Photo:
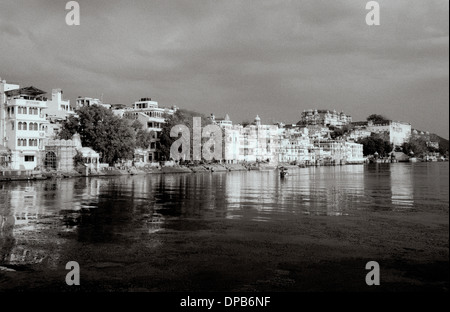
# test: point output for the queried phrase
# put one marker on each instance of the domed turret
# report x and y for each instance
(257, 120)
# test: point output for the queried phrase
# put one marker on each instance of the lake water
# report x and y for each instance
(44, 224)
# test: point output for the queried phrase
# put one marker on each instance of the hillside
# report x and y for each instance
(443, 143)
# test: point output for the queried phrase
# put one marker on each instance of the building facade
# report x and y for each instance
(398, 132)
(152, 118)
(57, 107)
(88, 101)
(25, 126)
(324, 117)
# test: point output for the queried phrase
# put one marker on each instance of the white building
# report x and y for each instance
(295, 146)
(24, 124)
(152, 118)
(222, 122)
(338, 152)
(56, 112)
(397, 131)
(324, 117)
(253, 143)
(87, 101)
(57, 107)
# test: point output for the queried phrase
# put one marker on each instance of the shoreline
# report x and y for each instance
(178, 169)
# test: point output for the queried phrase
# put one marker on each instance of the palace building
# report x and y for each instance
(324, 117)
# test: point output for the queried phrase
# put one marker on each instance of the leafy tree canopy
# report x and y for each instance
(377, 118)
(101, 130)
(375, 144)
(144, 138)
(180, 117)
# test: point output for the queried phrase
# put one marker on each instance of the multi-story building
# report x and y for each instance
(3, 88)
(398, 132)
(338, 152)
(253, 143)
(324, 117)
(25, 126)
(295, 146)
(5, 153)
(56, 112)
(222, 122)
(87, 101)
(58, 107)
(152, 118)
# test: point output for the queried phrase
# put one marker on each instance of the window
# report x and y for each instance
(50, 161)
(29, 158)
(24, 125)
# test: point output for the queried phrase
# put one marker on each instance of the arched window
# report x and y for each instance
(24, 125)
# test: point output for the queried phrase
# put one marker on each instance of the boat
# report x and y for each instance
(283, 172)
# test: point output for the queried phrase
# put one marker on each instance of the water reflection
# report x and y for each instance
(38, 219)
(402, 188)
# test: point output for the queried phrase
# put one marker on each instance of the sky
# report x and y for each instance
(274, 58)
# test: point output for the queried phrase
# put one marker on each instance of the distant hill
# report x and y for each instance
(443, 143)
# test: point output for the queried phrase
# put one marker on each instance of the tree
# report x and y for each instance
(144, 138)
(375, 144)
(377, 118)
(78, 159)
(340, 131)
(135, 124)
(101, 130)
(245, 123)
(180, 117)
(416, 144)
(69, 128)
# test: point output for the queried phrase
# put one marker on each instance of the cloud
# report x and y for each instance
(273, 58)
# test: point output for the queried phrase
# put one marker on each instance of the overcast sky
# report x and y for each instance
(274, 58)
